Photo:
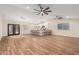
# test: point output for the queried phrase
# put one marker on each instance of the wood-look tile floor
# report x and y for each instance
(36, 45)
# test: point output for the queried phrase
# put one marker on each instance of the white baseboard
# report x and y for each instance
(67, 35)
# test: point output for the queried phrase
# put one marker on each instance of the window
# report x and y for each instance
(63, 26)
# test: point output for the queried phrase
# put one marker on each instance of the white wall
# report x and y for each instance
(0, 27)
(25, 27)
(73, 30)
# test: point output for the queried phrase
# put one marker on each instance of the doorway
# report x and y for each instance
(13, 29)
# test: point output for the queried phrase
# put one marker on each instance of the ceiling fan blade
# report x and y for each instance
(46, 9)
(41, 7)
(46, 13)
(37, 10)
(38, 14)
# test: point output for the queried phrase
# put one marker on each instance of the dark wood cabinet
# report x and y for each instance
(13, 29)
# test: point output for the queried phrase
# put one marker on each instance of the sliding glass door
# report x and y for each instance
(13, 29)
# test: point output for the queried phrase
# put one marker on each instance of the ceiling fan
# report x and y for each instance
(42, 10)
(59, 17)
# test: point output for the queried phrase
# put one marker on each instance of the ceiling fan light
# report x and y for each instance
(41, 12)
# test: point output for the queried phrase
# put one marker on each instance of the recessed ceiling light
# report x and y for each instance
(67, 16)
(27, 7)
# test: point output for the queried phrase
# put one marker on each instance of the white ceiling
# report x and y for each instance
(25, 11)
